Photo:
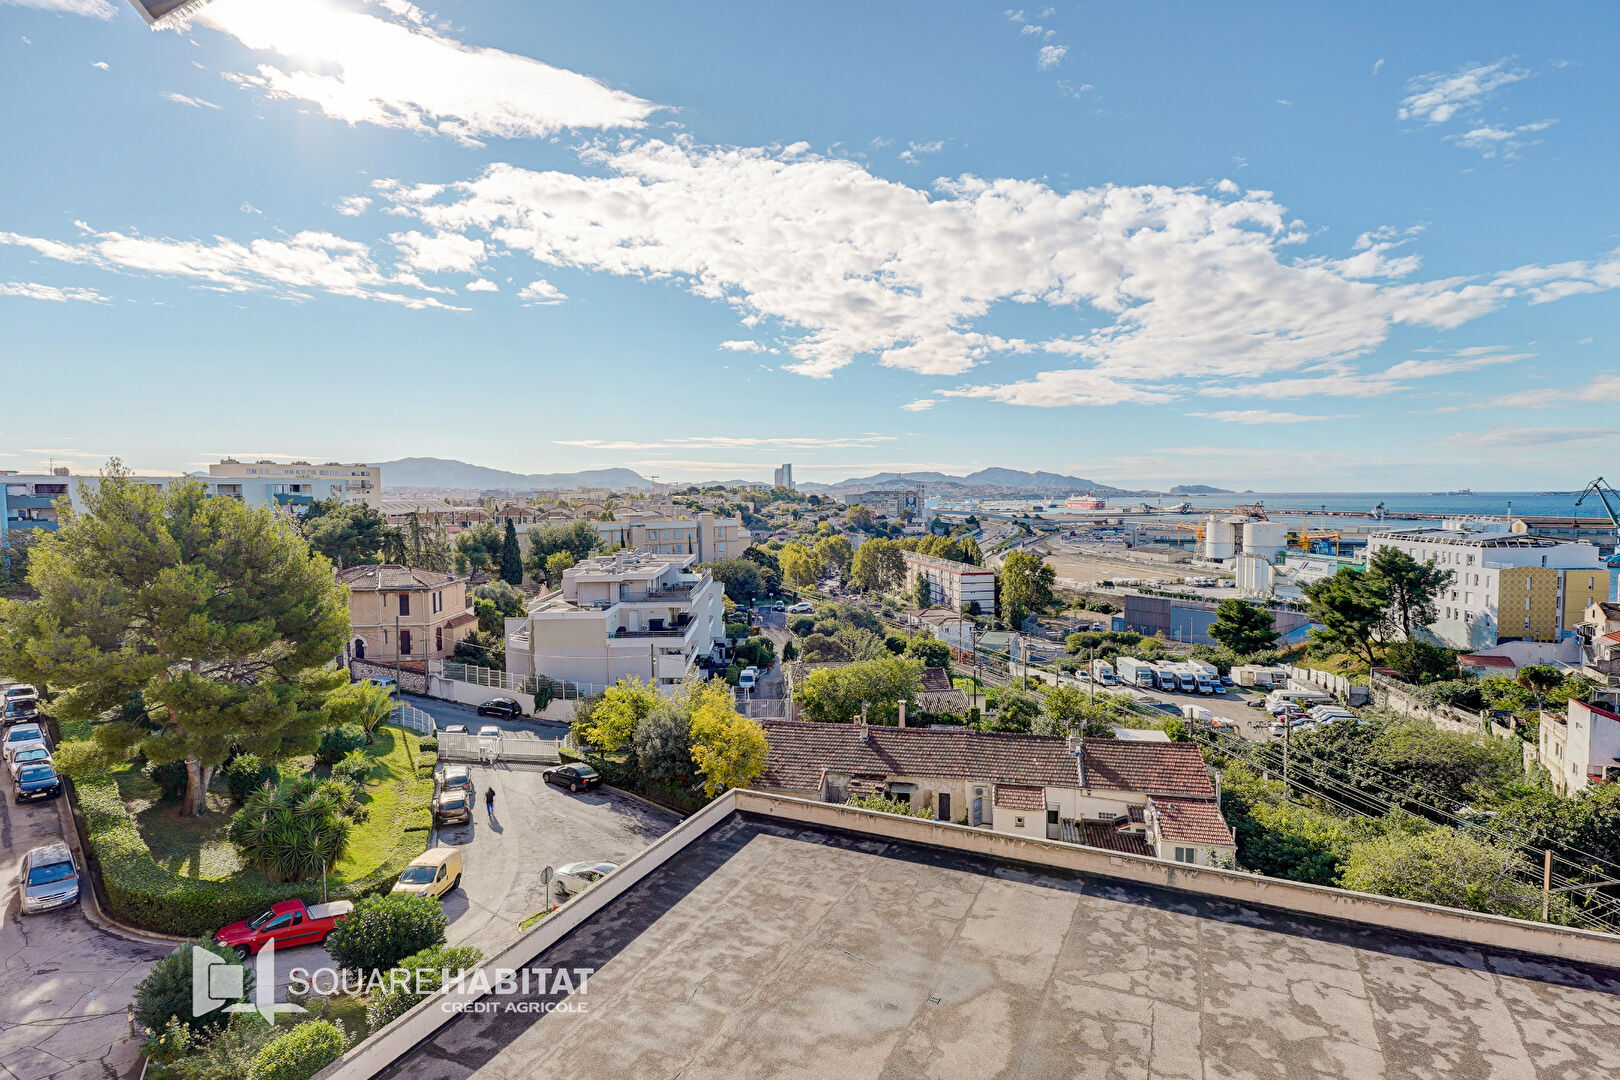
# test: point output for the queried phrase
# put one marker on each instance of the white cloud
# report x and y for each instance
(1529, 438)
(1174, 287)
(249, 208)
(293, 267)
(1600, 390)
(439, 252)
(482, 285)
(725, 442)
(542, 292)
(1050, 56)
(401, 73)
(194, 102)
(742, 346)
(1490, 141)
(34, 291)
(1439, 95)
(920, 405)
(1265, 416)
(913, 150)
(353, 206)
(1378, 65)
(94, 9)
(101, 65)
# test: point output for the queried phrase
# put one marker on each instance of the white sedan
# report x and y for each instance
(33, 755)
(575, 878)
(22, 737)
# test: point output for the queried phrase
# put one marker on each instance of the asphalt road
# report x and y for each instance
(67, 983)
(445, 713)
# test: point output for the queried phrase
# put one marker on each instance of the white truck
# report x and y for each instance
(1259, 676)
(1208, 676)
(1196, 712)
(1167, 678)
(1137, 673)
(1102, 673)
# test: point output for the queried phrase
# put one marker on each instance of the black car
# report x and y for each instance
(37, 782)
(22, 710)
(501, 706)
(574, 777)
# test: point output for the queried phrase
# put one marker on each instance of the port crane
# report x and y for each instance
(1602, 490)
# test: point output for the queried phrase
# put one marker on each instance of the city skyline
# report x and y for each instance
(1306, 252)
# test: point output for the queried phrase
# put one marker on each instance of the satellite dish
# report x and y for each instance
(166, 12)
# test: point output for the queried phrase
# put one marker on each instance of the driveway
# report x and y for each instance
(67, 983)
(535, 825)
(445, 713)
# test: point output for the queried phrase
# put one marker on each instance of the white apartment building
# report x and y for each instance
(629, 614)
(952, 584)
(706, 536)
(1581, 747)
(783, 477)
(894, 503)
(1505, 586)
(361, 483)
(28, 500)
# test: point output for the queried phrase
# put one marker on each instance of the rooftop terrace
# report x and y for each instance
(770, 945)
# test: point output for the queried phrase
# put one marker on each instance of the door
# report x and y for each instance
(944, 806)
(977, 817)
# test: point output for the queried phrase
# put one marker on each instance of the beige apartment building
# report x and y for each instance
(361, 483)
(706, 536)
(405, 614)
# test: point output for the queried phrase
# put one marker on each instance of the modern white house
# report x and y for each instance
(1140, 797)
(706, 536)
(1504, 585)
(360, 483)
(628, 614)
(1580, 747)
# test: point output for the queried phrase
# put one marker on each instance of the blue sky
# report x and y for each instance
(1263, 246)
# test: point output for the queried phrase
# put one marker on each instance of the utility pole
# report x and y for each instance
(1288, 727)
(397, 684)
(1546, 884)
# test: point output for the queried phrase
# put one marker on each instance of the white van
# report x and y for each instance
(746, 680)
(1278, 700)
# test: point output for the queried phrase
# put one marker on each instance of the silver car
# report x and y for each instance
(50, 879)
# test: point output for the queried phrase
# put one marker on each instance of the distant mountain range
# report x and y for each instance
(443, 473)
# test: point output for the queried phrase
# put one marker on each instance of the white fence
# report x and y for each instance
(414, 719)
(520, 747)
(1337, 685)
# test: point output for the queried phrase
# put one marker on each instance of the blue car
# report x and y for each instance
(37, 782)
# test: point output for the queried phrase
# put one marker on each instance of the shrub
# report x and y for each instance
(383, 930)
(428, 968)
(337, 742)
(170, 777)
(187, 1054)
(428, 742)
(294, 831)
(247, 773)
(354, 770)
(165, 993)
(801, 625)
(298, 1053)
(886, 805)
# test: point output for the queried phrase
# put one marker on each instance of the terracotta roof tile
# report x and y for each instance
(935, 678)
(801, 750)
(363, 578)
(1486, 660)
(1191, 821)
(463, 619)
(1154, 768)
(1100, 834)
(1020, 797)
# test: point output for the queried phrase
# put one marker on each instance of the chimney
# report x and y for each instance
(862, 730)
(1077, 746)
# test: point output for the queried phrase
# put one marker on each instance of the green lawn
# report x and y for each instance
(196, 847)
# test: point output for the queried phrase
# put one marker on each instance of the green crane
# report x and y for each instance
(1602, 490)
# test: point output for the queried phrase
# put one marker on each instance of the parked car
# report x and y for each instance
(49, 879)
(575, 878)
(21, 690)
(452, 806)
(38, 781)
(575, 777)
(803, 607)
(747, 677)
(454, 729)
(453, 778)
(501, 706)
(289, 923)
(24, 737)
(433, 873)
(33, 756)
(490, 731)
(778, 606)
(21, 710)
(385, 682)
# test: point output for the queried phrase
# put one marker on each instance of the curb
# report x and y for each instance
(90, 904)
(647, 802)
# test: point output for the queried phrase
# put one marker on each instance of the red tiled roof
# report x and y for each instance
(463, 619)
(1154, 768)
(801, 750)
(935, 678)
(1615, 637)
(1019, 797)
(1100, 834)
(392, 577)
(1487, 660)
(1191, 821)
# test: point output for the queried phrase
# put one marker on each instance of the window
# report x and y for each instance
(1186, 854)
(404, 603)
(438, 602)
(405, 642)
(1018, 823)
(438, 639)
(1051, 815)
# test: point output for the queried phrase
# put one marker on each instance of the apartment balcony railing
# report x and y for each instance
(30, 502)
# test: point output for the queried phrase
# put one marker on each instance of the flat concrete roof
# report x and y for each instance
(767, 948)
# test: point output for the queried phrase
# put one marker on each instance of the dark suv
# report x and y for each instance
(501, 706)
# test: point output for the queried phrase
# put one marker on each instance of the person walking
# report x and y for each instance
(489, 802)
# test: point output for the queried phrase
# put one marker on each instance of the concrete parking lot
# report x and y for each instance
(535, 825)
(67, 983)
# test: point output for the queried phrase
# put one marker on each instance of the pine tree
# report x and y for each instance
(511, 556)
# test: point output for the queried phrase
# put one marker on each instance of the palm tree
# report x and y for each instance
(294, 831)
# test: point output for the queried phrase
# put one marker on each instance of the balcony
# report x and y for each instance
(30, 502)
(31, 523)
(284, 499)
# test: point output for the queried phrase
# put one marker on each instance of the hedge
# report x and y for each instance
(298, 1053)
(144, 894)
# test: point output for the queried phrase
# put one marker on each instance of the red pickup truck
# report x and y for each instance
(288, 923)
